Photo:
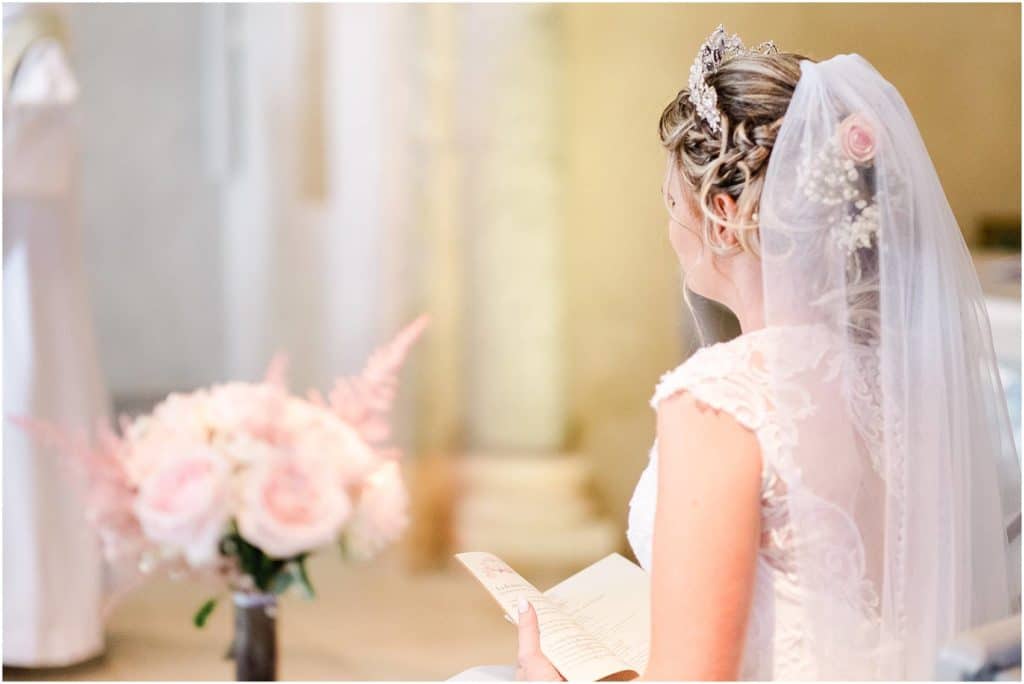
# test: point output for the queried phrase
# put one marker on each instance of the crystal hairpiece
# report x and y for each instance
(712, 53)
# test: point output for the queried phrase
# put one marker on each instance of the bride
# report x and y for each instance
(828, 493)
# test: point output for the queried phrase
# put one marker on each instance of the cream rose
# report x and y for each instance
(242, 407)
(183, 500)
(318, 431)
(184, 414)
(381, 514)
(291, 504)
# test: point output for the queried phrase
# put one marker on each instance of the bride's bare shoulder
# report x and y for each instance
(697, 426)
(707, 529)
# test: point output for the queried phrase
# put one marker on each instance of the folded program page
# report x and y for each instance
(611, 600)
(592, 625)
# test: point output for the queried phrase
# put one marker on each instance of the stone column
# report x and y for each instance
(438, 238)
(525, 498)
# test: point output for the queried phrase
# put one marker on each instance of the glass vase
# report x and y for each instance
(254, 648)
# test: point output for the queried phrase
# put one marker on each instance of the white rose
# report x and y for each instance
(242, 449)
(325, 434)
(358, 460)
(184, 414)
(238, 406)
(381, 514)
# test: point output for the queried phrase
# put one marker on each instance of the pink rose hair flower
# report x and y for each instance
(857, 138)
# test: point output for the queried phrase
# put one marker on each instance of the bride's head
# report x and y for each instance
(714, 178)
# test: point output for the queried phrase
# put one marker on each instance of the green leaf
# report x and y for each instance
(304, 582)
(282, 581)
(262, 568)
(204, 612)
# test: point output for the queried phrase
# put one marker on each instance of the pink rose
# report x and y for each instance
(382, 513)
(183, 501)
(857, 138)
(292, 503)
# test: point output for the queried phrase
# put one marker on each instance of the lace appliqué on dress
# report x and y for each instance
(734, 377)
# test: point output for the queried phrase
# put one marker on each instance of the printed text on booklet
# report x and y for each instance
(593, 625)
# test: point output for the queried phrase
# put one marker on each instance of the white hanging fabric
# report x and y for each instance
(52, 565)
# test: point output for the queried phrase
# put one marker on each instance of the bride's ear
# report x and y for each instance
(724, 207)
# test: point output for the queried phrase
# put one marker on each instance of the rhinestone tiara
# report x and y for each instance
(712, 53)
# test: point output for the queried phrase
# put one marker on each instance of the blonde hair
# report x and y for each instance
(754, 91)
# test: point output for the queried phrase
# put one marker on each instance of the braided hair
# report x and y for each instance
(754, 92)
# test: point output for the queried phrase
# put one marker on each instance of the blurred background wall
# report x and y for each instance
(307, 177)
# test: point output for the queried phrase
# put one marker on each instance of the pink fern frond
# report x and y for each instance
(384, 363)
(277, 371)
(109, 492)
(72, 444)
(365, 401)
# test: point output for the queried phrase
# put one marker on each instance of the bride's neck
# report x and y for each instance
(752, 319)
(747, 296)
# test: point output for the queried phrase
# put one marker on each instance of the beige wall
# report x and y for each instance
(957, 66)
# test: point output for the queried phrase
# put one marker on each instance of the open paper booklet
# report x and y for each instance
(594, 625)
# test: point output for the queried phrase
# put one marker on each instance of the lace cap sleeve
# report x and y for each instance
(723, 377)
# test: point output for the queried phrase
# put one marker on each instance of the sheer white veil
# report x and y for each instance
(903, 480)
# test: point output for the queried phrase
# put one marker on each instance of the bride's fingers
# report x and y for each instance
(529, 632)
(533, 665)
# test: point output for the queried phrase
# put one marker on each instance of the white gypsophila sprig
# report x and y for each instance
(832, 179)
(856, 232)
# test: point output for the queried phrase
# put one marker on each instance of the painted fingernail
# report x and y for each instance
(524, 605)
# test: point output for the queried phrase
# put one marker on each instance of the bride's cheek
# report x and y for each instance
(684, 251)
(687, 248)
(697, 280)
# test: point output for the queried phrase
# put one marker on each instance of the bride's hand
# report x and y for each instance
(531, 664)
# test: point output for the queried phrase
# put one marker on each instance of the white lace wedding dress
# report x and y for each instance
(742, 377)
(733, 377)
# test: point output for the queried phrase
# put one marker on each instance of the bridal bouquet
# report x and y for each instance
(244, 480)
